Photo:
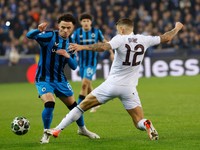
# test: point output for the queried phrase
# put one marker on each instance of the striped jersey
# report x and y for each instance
(87, 58)
(51, 65)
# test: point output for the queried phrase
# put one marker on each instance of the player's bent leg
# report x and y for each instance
(143, 124)
(89, 102)
(74, 115)
(82, 130)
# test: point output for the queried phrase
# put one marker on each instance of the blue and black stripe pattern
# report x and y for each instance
(50, 65)
(87, 58)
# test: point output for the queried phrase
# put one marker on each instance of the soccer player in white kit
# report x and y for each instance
(123, 77)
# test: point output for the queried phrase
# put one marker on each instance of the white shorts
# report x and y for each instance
(107, 91)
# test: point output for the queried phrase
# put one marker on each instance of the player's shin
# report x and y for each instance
(47, 114)
(80, 98)
(80, 121)
(72, 116)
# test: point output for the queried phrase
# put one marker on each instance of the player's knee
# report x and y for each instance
(84, 86)
(72, 106)
(50, 104)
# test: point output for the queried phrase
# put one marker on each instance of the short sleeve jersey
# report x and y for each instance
(129, 53)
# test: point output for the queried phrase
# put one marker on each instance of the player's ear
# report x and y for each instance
(81, 22)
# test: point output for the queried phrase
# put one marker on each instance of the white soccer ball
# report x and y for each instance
(20, 125)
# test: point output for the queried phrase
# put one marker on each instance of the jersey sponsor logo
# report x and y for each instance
(55, 47)
(56, 44)
(87, 40)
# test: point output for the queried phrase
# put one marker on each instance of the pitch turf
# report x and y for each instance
(172, 103)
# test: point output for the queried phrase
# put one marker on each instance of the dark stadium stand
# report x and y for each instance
(150, 18)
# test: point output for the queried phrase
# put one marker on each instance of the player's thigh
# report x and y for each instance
(130, 98)
(105, 92)
(45, 91)
(68, 101)
(136, 114)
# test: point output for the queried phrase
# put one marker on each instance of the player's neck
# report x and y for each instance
(127, 32)
(87, 29)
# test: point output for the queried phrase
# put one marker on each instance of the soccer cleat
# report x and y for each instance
(151, 131)
(94, 109)
(85, 132)
(53, 132)
(45, 138)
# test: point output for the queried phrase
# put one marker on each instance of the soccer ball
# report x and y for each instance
(20, 125)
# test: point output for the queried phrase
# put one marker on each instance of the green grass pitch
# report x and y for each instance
(172, 103)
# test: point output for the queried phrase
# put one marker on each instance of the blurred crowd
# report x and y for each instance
(150, 18)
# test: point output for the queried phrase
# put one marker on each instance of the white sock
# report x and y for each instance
(72, 116)
(141, 125)
(82, 128)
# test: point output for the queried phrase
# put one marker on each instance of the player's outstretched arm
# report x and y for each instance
(168, 36)
(110, 51)
(94, 47)
(32, 34)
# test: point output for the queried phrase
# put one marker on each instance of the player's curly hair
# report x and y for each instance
(67, 17)
(85, 16)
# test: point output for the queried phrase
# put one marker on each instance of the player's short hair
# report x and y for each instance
(125, 21)
(67, 17)
(85, 16)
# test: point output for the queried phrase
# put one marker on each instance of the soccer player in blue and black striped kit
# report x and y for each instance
(50, 78)
(85, 35)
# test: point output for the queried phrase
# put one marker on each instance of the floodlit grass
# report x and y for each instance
(172, 103)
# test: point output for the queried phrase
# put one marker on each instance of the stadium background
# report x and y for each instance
(18, 54)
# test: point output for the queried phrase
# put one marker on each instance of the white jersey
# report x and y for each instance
(129, 53)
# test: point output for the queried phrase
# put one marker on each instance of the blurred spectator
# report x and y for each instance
(13, 56)
(150, 18)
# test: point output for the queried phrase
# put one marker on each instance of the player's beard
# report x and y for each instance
(64, 35)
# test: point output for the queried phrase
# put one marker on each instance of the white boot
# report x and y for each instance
(85, 132)
(45, 138)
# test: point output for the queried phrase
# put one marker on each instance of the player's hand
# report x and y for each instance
(42, 27)
(74, 47)
(63, 52)
(179, 25)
